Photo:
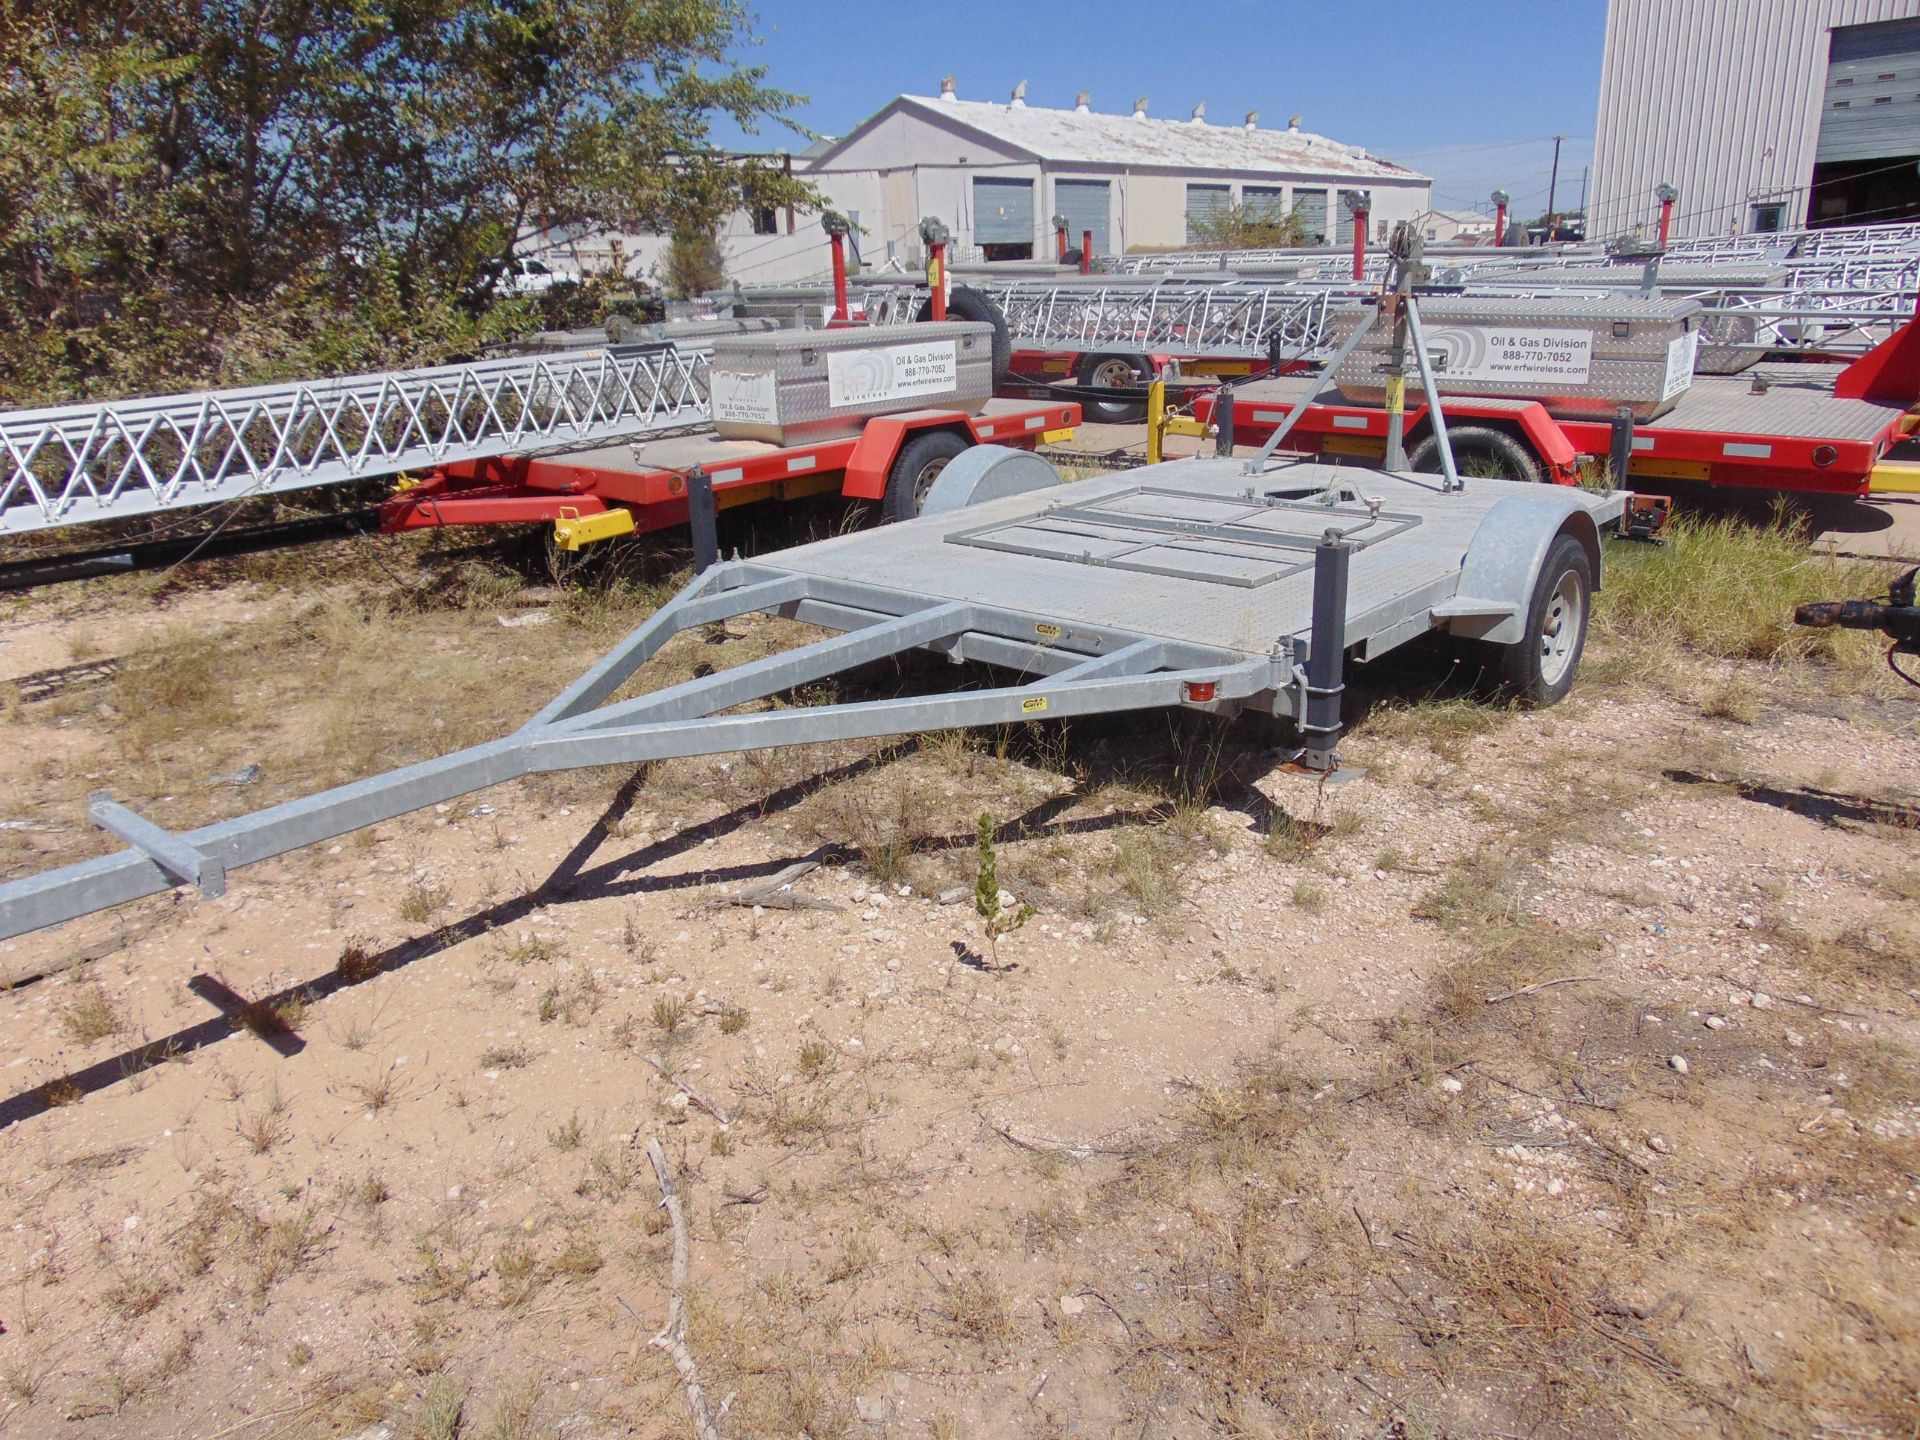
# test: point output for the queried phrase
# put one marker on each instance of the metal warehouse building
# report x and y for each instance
(1764, 114)
(998, 172)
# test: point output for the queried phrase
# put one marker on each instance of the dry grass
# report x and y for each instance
(268, 1125)
(1726, 589)
(90, 1016)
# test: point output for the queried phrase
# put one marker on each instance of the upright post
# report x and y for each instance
(1620, 452)
(1156, 418)
(1223, 421)
(1666, 195)
(934, 232)
(1060, 239)
(702, 520)
(1360, 217)
(1327, 655)
(1500, 198)
(1553, 185)
(1405, 250)
(836, 227)
(1086, 252)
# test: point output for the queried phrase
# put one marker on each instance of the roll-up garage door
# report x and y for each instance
(1872, 109)
(1343, 220)
(1265, 202)
(1311, 207)
(1084, 203)
(1002, 211)
(1203, 203)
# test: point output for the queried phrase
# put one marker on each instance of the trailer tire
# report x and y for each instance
(915, 468)
(966, 303)
(1479, 451)
(1113, 370)
(1538, 670)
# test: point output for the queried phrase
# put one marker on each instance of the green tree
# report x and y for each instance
(693, 264)
(189, 188)
(1254, 225)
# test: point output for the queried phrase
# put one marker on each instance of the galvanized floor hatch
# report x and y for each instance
(1245, 541)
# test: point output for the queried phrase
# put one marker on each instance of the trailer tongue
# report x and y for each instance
(1215, 585)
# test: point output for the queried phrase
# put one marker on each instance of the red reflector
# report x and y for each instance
(676, 484)
(1199, 691)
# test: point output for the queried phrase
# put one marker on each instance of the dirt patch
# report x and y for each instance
(1556, 1079)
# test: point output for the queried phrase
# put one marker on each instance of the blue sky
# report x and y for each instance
(1470, 92)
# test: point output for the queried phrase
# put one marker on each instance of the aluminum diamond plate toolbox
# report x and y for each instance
(1584, 356)
(797, 385)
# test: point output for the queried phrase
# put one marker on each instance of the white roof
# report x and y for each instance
(1092, 138)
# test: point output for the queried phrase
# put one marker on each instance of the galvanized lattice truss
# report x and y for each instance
(79, 463)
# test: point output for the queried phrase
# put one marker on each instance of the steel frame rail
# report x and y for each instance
(1109, 670)
(79, 463)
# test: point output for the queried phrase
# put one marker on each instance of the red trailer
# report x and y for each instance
(619, 489)
(1795, 426)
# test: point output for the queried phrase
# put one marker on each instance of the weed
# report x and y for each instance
(1309, 895)
(379, 1092)
(505, 1057)
(266, 1127)
(442, 1276)
(515, 1414)
(356, 963)
(580, 1259)
(568, 1136)
(91, 1016)
(271, 1018)
(519, 1270)
(422, 901)
(976, 1310)
(997, 916)
(609, 1175)
(815, 1056)
(668, 1012)
(549, 1006)
(441, 1411)
(132, 1296)
(733, 1019)
(368, 1194)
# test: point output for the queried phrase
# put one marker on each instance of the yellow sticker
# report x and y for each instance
(1046, 631)
(1033, 706)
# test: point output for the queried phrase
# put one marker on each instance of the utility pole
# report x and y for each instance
(1553, 182)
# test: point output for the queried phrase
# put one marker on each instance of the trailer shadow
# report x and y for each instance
(573, 880)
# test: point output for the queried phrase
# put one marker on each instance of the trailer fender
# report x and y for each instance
(1503, 561)
(987, 472)
(880, 442)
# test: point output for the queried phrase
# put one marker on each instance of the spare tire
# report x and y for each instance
(966, 303)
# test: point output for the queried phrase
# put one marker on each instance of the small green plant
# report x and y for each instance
(668, 1012)
(995, 919)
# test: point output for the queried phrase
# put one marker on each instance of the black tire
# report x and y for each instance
(915, 468)
(1539, 670)
(1108, 371)
(967, 303)
(1480, 453)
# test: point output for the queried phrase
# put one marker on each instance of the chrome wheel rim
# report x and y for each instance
(1560, 628)
(1110, 374)
(923, 482)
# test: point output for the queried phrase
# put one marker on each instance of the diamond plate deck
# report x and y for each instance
(1416, 568)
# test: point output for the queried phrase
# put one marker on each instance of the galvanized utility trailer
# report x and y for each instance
(1217, 585)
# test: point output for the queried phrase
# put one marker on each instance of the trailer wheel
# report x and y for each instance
(1480, 453)
(966, 303)
(915, 468)
(1113, 371)
(1539, 668)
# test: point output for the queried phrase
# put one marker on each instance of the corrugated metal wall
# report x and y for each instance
(1721, 98)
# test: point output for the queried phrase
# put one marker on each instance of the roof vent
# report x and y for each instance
(1080, 103)
(1199, 114)
(1019, 100)
(1253, 119)
(947, 92)
(1140, 108)
(1293, 124)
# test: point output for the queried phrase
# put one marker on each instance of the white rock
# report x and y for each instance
(1716, 1022)
(1451, 1084)
(1072, 1305)
(1658, 1145)
(1679, 1062)
(1761, 1000)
